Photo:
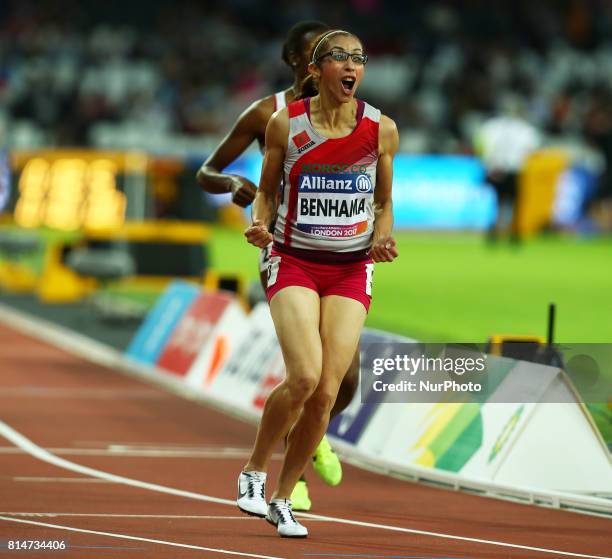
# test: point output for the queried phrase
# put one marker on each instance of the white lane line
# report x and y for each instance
(160, 516)
(158, 444)
(104, 515)
(31, 479)
(25, 444)
(136, 538)
(19, 440)
(166, 446)
(96, 393)
(119, 450)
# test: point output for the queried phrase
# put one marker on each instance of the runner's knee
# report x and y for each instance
(319, 405)
(301, 388)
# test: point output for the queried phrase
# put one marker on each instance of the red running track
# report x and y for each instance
(93, 417)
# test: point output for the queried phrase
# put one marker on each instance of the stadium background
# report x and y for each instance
(158, 85)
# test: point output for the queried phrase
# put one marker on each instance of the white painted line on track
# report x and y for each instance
(32, 479)
(112, 515)
(144, 453)
(158, 444)
(96, 393)
(19, 440)
(105, 515)
(25, 444)
(136, 538)
(181, 447)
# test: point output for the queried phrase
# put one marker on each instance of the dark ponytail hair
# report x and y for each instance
(295, 37)
(308, 88)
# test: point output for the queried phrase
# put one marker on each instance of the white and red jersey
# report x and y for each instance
(328, 188)
(280, 102)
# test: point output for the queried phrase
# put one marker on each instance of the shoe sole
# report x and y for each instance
(294, 537)
(281, 535)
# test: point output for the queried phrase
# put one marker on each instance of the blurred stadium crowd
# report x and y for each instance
(168, 76)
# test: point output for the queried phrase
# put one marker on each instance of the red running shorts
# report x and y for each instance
(352, 279)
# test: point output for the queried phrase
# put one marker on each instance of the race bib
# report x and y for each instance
(333, 205)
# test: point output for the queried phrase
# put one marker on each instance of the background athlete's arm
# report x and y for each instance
(266, 199)
(248, 127)
(383, 244)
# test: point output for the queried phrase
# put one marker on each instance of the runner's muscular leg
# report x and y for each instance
(295, 311)
(341, 322)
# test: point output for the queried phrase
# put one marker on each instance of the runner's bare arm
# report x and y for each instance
(250, 126)
(383, 244)
(266, 199)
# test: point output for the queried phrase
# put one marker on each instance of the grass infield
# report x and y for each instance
(455, 287)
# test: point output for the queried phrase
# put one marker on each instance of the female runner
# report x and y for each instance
(334, 154)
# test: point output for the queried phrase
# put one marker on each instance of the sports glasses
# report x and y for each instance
(343, 56)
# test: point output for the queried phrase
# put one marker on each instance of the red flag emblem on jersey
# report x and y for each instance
(300, 139)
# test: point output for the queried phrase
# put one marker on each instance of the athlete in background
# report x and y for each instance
(250, 126)
(504, 142)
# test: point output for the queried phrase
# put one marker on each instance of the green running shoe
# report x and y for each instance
(326, 463)
(299, 497)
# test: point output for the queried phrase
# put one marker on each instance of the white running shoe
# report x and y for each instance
(252, 493)
(281, 516)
